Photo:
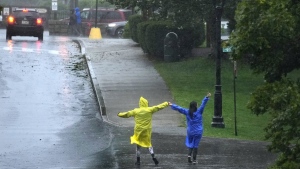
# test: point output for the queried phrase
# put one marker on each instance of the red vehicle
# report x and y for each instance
(104, 17)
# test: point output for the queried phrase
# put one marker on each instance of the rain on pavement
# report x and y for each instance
(48, 112)
(49, 118)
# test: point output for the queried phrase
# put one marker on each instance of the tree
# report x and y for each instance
(185, 13)
(92, 4)
(268, 33)
(182, 13)
(122, 3)
(281, 100)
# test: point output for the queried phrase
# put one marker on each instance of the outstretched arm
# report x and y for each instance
(126, 114)
(178, 108)
(204, 101)
(159, 107)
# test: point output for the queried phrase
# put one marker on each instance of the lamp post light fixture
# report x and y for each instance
(217, 120)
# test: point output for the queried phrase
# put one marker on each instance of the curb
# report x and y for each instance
(95, 84)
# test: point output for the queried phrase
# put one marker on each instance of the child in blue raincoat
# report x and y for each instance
(143, 126)
(194, 126)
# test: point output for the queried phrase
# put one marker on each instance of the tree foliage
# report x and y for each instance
(281, 100)
(123, 3)
(92, 4)
(268, 33)
(184, 13)
(187, 13)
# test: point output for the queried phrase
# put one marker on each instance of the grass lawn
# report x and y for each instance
(191, 79)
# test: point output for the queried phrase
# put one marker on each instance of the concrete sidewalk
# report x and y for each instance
(121, 73)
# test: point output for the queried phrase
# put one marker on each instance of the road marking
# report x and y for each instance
(31, 50)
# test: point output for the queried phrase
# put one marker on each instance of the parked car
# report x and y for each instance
(116, 29)
(24, 22)
(104, 17)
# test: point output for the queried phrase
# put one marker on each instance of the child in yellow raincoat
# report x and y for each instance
(143, 126)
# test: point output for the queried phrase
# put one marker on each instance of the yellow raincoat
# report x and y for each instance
(143, 122)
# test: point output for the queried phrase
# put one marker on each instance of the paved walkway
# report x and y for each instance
(121, 73)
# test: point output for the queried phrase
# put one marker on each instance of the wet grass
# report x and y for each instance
(191, 79)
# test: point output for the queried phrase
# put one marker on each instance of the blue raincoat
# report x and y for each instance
(143, 122)
(77, 14)
(194, 125)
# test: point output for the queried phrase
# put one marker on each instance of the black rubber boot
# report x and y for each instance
(195, 151)
(189, 155)
(189, 159)
(138, 161)
(155, 161)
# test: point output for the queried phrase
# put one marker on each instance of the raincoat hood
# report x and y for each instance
(143, 102)
(77, 9)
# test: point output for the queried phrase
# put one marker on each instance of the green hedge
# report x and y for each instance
(141, 35)
(191, 37)
(127, 34)
(155, 35)
(134, 20)
(151, 34)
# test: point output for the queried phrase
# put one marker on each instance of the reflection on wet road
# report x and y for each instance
(47, 107)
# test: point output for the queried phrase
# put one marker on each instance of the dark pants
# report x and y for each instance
(194, 151)
(72, 29)
(78, 27)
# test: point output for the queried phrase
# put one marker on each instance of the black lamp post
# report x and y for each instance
(217, 120)
(96, 18)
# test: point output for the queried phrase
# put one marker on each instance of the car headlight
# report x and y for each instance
(112, 25)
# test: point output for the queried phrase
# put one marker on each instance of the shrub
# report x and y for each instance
(151, 35)
(127, 34)
(155, 35)
(141, 35)
(190, 37)
(134, 20)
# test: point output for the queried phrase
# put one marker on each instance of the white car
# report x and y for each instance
(116, 29)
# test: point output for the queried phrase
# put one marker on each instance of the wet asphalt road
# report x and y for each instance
(48, 112)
